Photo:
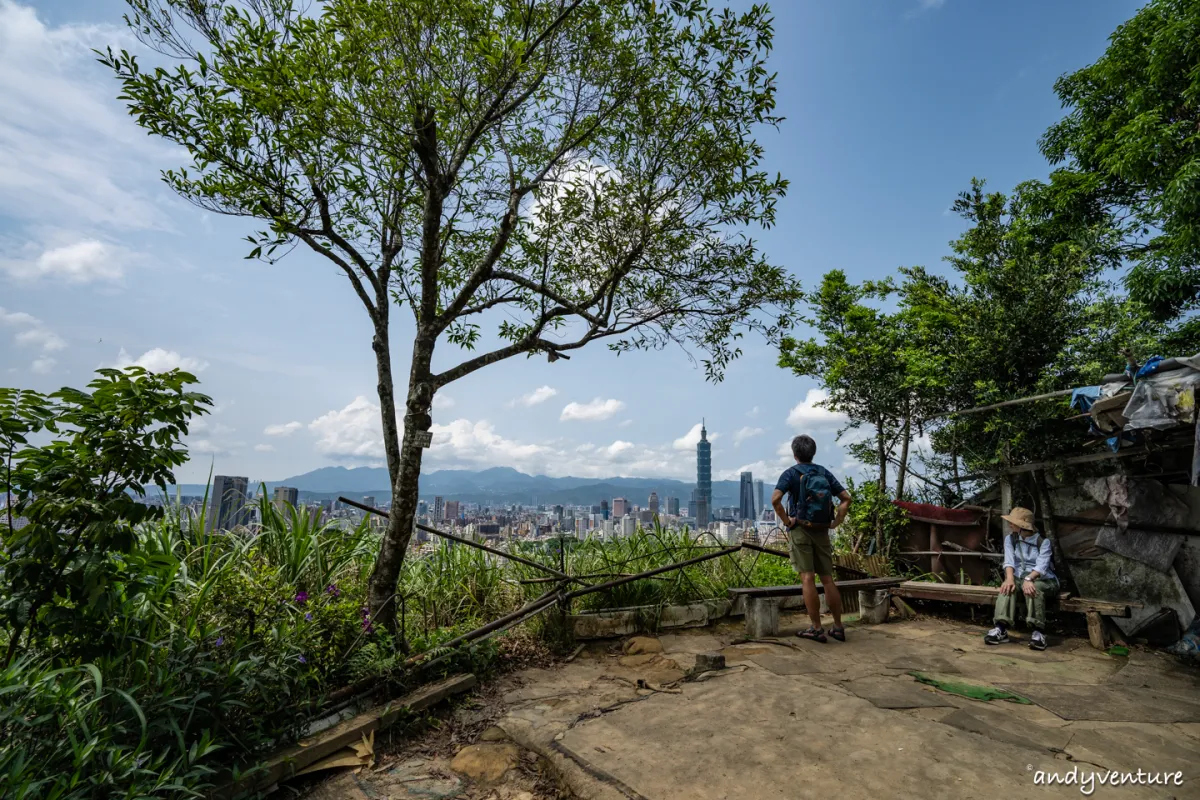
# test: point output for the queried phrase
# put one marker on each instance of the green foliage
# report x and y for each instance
(310, 554)
(65, 572)
(872, 511)
(1028, 314)
(1130, 141)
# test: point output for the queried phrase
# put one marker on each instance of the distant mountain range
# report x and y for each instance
(495, 486)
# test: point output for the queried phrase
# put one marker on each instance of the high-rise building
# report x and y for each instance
(604, 508)
(286, 495)
(654, 502)
(422, 508)
(628, 525)
(620, 507)
(369, 500)
(760, 499)
(451, 510)
(673, 506)
(228, 503)
(746, 504)
(703, 478)
(439, 510)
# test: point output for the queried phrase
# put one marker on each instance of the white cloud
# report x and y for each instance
(745, 433)
(264, 448)
(690, 439)
(43, 365)
(32, 332)
(595, 411)
(443, 401)
(81, 262)
(160, 360)
(810, 414)
(617, 447)
(624, 423)
(352, 433)
(537, 396)
(752, 413)
(68, 149)
(929, 5)
(286, 429)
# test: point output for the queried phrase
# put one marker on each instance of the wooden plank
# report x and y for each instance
(288, 762)
(1196, 452)
(986, 595)
(1084, 605)
(948, 553)
(793, 591)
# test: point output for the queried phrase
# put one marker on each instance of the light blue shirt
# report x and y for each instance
(1026, 556)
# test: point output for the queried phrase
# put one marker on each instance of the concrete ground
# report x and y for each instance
(790, 718)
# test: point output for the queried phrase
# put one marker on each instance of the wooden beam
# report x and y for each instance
(1146, 527)
(1125, 452)
(1005, 404)
(1084, 605)
(291, 760)
(1196, 452)
(949, 553)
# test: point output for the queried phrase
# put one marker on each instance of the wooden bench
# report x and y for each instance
(986, 596)
(762, 602)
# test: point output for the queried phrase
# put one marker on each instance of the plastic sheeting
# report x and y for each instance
(1163, 400)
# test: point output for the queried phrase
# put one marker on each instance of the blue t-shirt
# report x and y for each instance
(790, 481)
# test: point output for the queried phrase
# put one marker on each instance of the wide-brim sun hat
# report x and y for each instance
(1021, 517)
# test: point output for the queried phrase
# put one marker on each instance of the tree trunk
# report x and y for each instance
(404, 468)
(881, 453)
(902, 470)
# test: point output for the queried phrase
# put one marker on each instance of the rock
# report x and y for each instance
(706, 662)
(640, 645)
(487, 762)
(493, 734)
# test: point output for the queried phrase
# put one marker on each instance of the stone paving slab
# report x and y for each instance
(1107, 703)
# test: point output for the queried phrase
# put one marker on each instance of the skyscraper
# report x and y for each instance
(746, 496)
(654, 502)
(673, 506)
(369, 500)
(227, 505)
(760, 499)
(285, 495)
(703, 478)
(439, 510)
(620, 507)
(604, 508)
(451, 510)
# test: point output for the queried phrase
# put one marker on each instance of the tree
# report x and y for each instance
(856, 357)
(1029, 294)
(1131, 139)
(67, 568)
(570, 170)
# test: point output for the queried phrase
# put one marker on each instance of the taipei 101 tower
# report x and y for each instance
(703, 479)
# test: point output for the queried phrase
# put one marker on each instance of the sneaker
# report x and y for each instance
(996, 635)
(1037, 641)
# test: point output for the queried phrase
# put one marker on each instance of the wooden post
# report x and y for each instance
(936, 565)
(1006, 504)
(1196, 452)
(1095, 624)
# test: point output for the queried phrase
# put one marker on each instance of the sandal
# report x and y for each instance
(838, 633)
(816, 634)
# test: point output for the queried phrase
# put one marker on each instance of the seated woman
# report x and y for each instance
(1027, 556)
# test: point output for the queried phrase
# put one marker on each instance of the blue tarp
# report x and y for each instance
(1083, 397)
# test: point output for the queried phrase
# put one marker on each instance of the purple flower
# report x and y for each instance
(308, 616)
(332, 590)
(303, 660)
(301, 598)
(220, 641)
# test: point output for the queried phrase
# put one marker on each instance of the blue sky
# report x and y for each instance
(892, 107)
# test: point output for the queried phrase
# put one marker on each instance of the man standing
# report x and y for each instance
(1027, 557)
(808, 518)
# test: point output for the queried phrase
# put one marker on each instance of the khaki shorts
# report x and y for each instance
(812, 551)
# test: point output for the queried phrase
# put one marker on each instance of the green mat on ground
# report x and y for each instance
(1118, 650)
(969, 690)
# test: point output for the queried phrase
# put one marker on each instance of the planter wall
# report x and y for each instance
(613, 622)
